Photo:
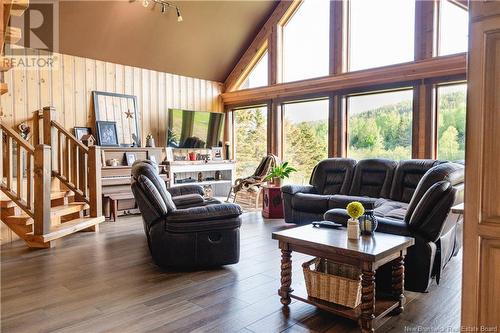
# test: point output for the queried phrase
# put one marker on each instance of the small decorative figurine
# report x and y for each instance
(150, 141)
(88, 140)
(137, 141)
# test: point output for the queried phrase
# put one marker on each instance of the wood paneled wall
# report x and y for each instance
(69, 85)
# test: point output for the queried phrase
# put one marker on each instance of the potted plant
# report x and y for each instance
(279, 172)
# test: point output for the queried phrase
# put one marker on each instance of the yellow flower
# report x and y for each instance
(355, 209)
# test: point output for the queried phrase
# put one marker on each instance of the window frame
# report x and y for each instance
(345, 112)
(435, 111)
(253, 63)
(348, 43)
(438, 23)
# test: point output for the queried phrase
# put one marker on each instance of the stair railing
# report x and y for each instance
(25, 177)
(77, 166)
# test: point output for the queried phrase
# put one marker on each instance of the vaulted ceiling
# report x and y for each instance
(207, 44)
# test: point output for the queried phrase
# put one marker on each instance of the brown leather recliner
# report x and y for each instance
(183, 229)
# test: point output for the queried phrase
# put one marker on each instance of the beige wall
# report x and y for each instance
(68, 88)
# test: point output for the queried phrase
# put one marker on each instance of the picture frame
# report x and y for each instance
(130, 158)
(122, 109)
(106, 133)
(217, 153)
(79, 132)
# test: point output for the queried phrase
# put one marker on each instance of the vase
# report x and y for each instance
(277, 182)
(353, 229)
(368, 223)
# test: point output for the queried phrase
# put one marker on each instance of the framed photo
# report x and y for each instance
(216, 153)
(79, 132)
(130, 157)
(106, 133)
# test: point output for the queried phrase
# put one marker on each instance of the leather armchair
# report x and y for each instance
(194, 234)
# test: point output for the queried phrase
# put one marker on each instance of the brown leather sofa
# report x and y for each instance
(411, 198)
(182, 228)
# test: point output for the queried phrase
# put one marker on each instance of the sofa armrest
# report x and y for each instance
(188, 200)
(205, 213)
(431, 211)
(294, 189)
(186, 189)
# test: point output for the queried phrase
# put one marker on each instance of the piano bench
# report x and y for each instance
(113, 202)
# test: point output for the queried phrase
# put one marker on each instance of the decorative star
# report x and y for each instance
(129, 114)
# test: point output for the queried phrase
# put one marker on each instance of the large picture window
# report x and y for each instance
(380, 125)
(250, 139)
(258, 75)
(305, 137)
(451, 106)
(453, 25)
(306, 41)
(381, 33)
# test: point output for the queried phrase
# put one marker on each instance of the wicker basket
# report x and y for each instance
(333, 282)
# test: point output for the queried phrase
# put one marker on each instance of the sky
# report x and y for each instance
(381, 33)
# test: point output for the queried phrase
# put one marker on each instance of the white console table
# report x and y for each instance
(180, 170)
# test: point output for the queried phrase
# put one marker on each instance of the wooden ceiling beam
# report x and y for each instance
(438, 67)
(243, 66)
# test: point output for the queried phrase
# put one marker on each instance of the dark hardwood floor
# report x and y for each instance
(106, 282)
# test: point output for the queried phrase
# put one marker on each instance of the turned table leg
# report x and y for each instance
(367, 300)
(286, 276)
(398, 282)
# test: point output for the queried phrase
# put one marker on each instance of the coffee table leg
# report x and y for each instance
(286, 276)
(398, 282)
(367, 299)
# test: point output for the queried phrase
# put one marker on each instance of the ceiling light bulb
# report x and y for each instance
(179, 16)
(163, 8)
(145, 3)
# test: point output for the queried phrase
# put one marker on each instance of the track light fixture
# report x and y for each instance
(164, 5)
(179, 16)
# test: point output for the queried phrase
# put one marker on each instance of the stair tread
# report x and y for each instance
(70, 227)
(6, 202)
(71, 207)
(19, 219)
(60, 194)
(18, 6)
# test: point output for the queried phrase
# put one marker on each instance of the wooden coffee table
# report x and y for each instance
(367, 253)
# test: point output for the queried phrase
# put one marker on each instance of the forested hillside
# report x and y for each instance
(382, 132)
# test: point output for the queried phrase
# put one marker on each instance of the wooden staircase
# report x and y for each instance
(66, 217)
(48, 192)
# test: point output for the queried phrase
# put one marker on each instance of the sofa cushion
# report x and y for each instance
(341, 201)
(390, 209)
(205, 213)
(407, 176)
(373, 178)
(311, 203)
(333, 175)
